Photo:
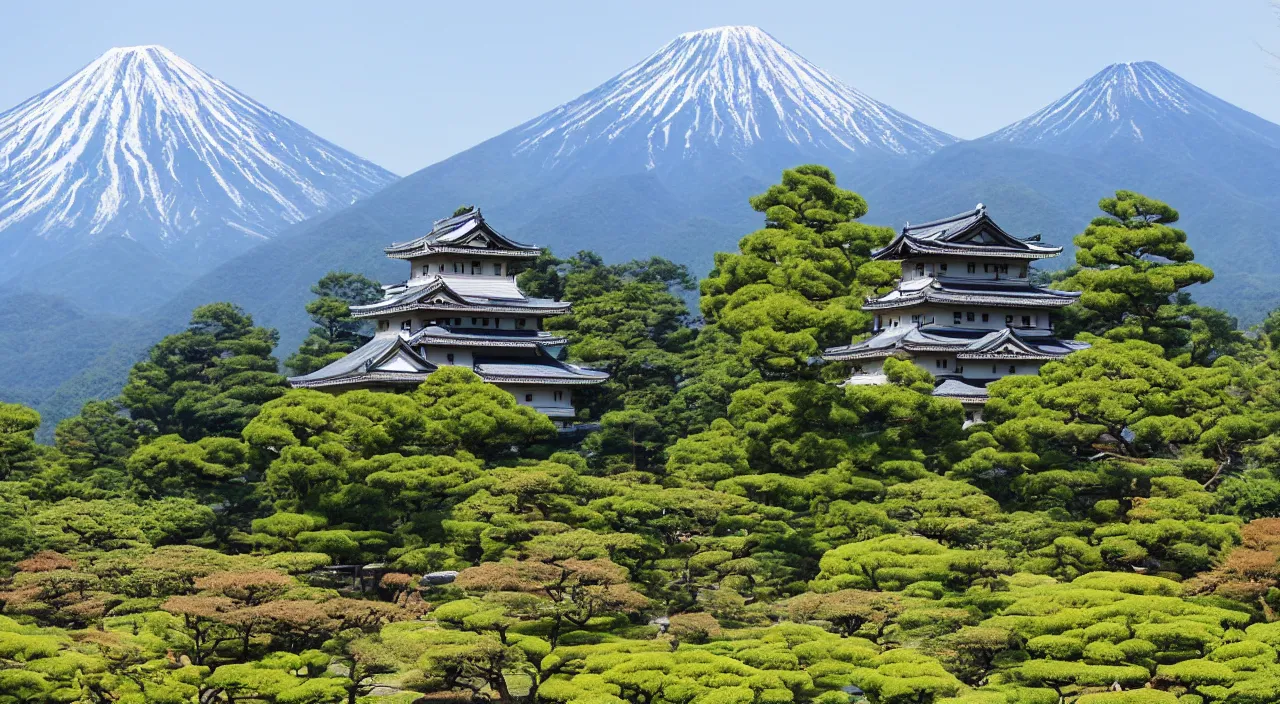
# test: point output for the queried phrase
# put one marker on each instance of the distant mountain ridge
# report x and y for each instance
(142, 145)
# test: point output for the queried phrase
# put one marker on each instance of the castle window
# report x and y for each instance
(915, 319)
(520, 323)
(559, 395)
(1013, 369)
(986, 268)
(957, 316)
(1026, 321)
(426, 269)
(972, 267)
(969, 316)
(475, 267)
(456, 266)
(1008, 320)
(475, 321)
(441, 269)
(1004, 268)
(449, 357)
(497, 270)
(528, 398)
(384, 324)
(943, 267)
(457, 321)
(993, 369)
(1022, 271)
(484, 322)
(406, 325)
(986, 318)
(919, 269)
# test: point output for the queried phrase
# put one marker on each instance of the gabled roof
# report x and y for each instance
(971, 233)
(467, 233)
(1008, 293)
(460, 294)
(964, 343)
(386, 359)
(445, 337)
(543, 369)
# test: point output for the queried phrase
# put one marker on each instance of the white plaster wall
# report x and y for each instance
(543, 399)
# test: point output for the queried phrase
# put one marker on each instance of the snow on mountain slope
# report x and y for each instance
(728, 88)
(1135, 102)
(142, 144)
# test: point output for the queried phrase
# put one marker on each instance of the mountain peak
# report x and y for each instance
(745, 31)
(1133, 102)
(143, 144)
(727, 89)
(139, 49)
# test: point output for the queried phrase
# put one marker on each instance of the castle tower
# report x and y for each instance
(966, 309)
(461, 306)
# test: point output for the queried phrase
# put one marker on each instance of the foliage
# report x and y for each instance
(736, 530)
(335, 333)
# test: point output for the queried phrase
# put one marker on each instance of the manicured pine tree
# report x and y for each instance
(336, 332)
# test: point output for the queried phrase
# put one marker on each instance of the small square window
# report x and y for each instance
(456, 266)
(1004, 268)
(457, 321)
(520, 323)
(441, 269)
(497, 270)
(972, 267)
(986, 268)
(475, 267)
(1013, 369)
(1026, 321)
(475, 321)
(915, 318)
(1008, 320)
(559, 396)
(449, 357)
(406, 325)
(957, 316)
(919, 269)
(942, 267)
(986, 318)
(528, 397)
(969, 316)
(426, 269)
(484, 322)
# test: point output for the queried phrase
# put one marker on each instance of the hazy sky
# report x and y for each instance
(409, 83)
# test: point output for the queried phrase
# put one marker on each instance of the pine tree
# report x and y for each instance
(336, 333)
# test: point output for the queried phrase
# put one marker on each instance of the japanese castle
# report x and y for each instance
(461, 306)
(965, 309)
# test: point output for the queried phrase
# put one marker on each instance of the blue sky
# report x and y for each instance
(409, 83)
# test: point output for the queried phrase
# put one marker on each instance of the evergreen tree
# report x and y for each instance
(210, 379)
(797, 286)
(1134, 268)
(336, 333)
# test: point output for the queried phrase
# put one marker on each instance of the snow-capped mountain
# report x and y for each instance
(1141, 102)
(143, 145)
(728, 89)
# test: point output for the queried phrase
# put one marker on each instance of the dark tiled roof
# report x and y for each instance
(366, 361)
(955, 235)
(453, 234)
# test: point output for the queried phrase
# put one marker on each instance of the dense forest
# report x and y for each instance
(737, 528)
